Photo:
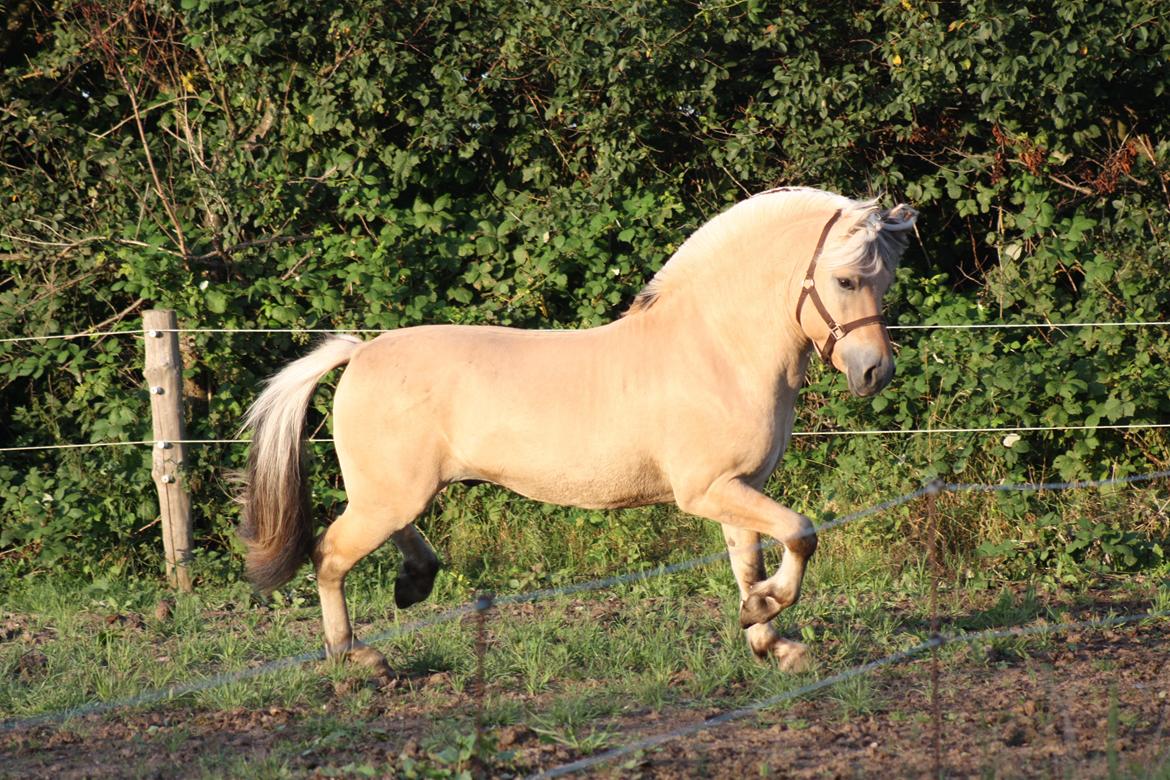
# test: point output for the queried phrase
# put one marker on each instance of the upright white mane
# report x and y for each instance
(873, 237)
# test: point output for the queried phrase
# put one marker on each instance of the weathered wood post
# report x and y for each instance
(164, 377)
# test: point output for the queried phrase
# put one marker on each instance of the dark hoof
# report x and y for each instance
(764, 602)
(413, 584)
(758, 608)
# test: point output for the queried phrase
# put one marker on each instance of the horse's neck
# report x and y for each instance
(759, 333)
(757, 345)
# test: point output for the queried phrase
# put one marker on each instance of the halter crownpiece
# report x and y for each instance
(808, 290)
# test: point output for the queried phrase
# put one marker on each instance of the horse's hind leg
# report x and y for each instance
(355, 534)
(419, 567)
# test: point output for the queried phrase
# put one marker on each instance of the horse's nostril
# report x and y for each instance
(868, 376)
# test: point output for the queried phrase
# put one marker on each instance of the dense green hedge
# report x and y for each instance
(267, 163)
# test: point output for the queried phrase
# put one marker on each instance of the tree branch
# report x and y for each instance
(245, 244)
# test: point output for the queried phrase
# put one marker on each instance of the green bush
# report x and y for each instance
(372, 165)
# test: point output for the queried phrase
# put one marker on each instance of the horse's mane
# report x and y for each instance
(873, 238)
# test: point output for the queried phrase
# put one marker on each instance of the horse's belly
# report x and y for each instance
(582, 491)
(605, 482)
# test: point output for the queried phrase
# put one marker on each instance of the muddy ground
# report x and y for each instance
(1089, 703)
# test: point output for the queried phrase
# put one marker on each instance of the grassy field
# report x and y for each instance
(564, 676)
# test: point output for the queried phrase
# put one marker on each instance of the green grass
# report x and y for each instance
(568, 668)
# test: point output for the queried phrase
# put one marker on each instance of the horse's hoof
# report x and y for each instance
(768, 647)
(792, 657)
(408, 592)
(756, 609)
(364, 655)
(765, 601)
(412, 584)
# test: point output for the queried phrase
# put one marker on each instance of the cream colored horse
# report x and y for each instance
(688, 398)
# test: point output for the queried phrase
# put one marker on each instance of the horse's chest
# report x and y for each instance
(762, 443)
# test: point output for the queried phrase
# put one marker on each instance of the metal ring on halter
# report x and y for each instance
(808, 290)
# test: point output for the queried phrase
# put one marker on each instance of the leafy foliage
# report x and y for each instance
(373, 165)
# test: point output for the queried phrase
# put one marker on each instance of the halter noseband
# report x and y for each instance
(809, 290)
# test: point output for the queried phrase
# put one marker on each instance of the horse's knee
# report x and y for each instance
(804, 543)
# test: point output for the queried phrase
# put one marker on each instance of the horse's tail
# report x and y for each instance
(277, 524)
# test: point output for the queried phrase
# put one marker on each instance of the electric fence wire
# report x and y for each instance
(327, 331)
(795, 434)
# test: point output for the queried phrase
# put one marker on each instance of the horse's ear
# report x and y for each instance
(894, 233)
(900, 217)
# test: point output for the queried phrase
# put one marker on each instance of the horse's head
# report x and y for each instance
(840, 300)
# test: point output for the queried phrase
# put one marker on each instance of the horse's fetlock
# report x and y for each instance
(338, 650)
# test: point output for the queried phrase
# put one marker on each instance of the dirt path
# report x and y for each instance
(1088, 703)
(1092, 703)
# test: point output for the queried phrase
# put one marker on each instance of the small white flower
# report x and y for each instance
(1011, 439)
(203, 284)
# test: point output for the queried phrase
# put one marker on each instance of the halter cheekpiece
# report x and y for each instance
(809, 290)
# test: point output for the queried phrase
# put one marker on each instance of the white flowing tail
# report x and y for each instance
(277, 525)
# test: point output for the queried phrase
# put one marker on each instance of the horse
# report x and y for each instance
(688, 397)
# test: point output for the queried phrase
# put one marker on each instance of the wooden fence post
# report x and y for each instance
(164, 377)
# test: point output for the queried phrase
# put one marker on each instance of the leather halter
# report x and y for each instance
(809, 290)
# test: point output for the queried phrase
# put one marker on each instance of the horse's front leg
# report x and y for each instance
(747, 563)
(745, 513)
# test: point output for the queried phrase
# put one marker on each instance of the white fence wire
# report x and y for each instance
(1133, 426)
(323, 331)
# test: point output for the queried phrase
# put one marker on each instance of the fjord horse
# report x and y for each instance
(687, 398)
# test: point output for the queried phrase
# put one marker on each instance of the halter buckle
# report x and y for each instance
(837, 331)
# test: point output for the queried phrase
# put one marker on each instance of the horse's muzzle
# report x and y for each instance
(868, 371)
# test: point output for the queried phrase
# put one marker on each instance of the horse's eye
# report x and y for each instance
(846, 284)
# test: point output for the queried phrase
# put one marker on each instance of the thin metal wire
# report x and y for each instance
(1042, 486)
(1014, 429)
(891, 431)
(893, 658)
(68, 336)
(925, 326)
(1015, 325)
(84, 445)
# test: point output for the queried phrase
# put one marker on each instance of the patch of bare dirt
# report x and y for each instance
(1096, 701)
(1082, 704)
